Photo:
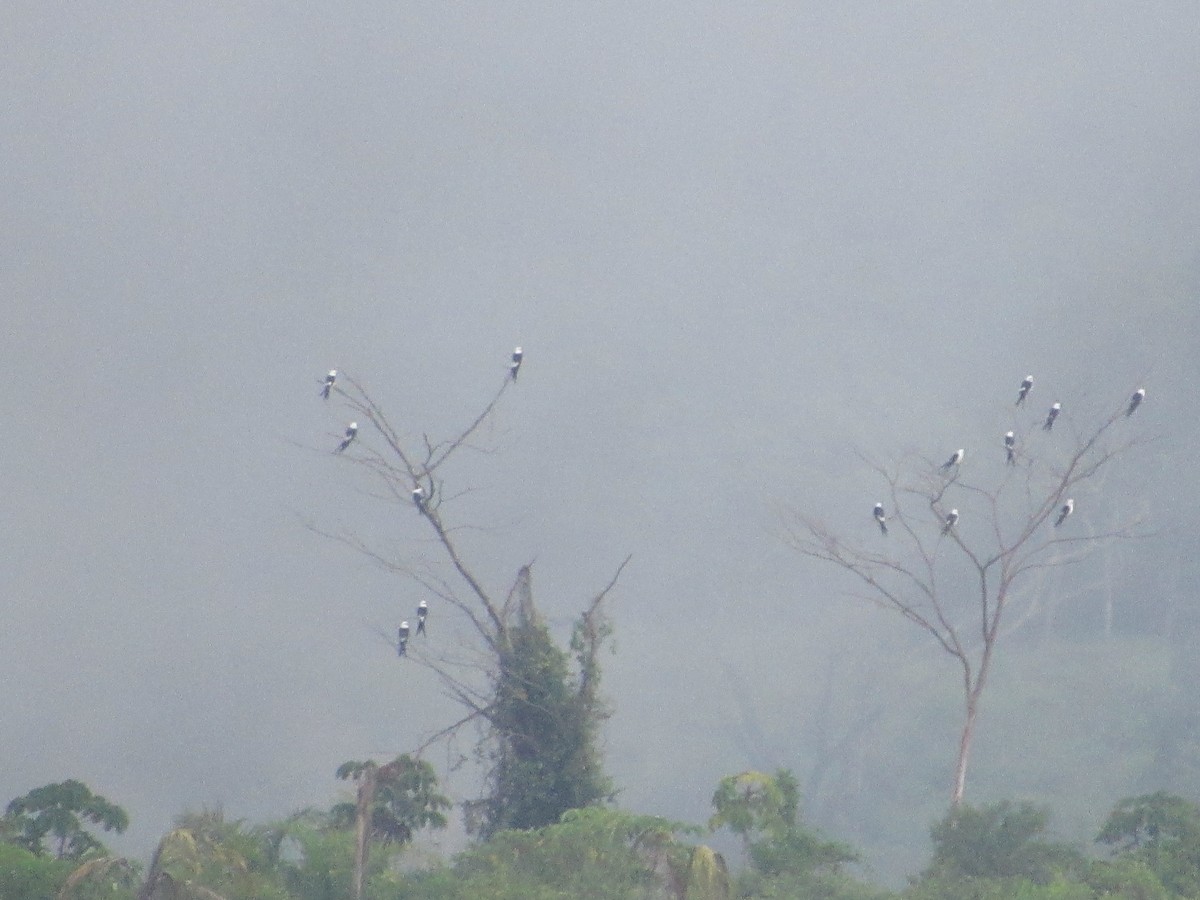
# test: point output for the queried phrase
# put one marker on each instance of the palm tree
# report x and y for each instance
(202, 849)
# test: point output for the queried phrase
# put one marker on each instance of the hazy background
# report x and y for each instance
(737, 241)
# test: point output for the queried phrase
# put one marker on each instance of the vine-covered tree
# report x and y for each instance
(541, 715)
(545, 758)
(955, 536)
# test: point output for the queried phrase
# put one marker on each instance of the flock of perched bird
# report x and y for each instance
(418, 492)
(1010, 450)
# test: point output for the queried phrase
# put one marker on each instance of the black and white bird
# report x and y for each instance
(880, 517)
(954, 460)
(951, 519)
(402, 640)
(1051, 416)
(418, 496)
(1135, 401)
(351, 432)
(330, 379)
(515, 366)
(1026, 387)
(1010, 447)
(1066, 509)
(422, 612)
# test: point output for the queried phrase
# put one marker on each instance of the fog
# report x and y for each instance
(738, 243)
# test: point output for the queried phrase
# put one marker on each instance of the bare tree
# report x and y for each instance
(944, 537)
(412, 472)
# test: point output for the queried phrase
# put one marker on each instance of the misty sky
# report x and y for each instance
(737, 241)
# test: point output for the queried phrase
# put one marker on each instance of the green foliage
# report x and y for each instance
(28, 876)
(1127, 879)
(316, 858)
(787, 858)
(958, 888)
(601, 854)
(406, 800)
(1162, 832)
(545, 723)
(204, 853)
(707, 876)
(53, 816)
(763, 810)
(753, 802)
(999, 841)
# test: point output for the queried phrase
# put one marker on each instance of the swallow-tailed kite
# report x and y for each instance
(402, 640)
(951, 518)
(329, 380)
(422, 612)
(954, 460)
(351, 431)
(1010, 447)
(1066, 510)
(1051, 416)
(880, 517)
(1135, 401)
(1026, 387)
(515, 366)
(418, 496)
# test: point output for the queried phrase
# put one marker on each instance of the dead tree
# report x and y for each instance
(412, 472)
(960, 548)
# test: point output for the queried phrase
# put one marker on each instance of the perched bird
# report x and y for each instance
(1135, 401)
(1010, 447)
(422, 612)
(954, 460)
(418, 496)
(515, 366)
(1051, 416)
(1026, 387)
(1066, 510)
(880, 517)
(951, 518)
(351, 431)
(328, 386)
(402, 640)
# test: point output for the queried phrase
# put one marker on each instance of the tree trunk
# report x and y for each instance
(964, 750)
(362, 827)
